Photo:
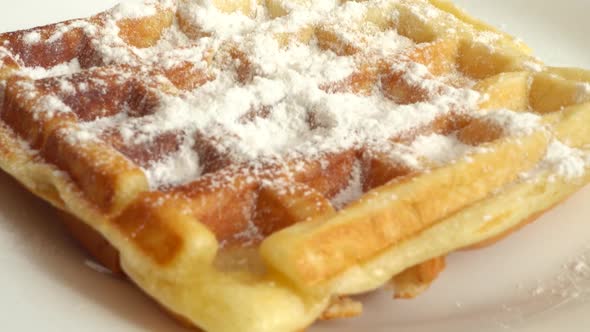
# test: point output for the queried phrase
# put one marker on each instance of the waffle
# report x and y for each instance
(250, 164)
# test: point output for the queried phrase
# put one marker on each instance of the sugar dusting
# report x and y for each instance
(439, 148)
(565, 161)
(32, 38)
(289, 78)
(563, 286)
(352, 191)
(132, 9)
(570, 284)
(305, 118)
(97, 267)
(173, 169)
(583, 94)
(515, 123)
(61, 69)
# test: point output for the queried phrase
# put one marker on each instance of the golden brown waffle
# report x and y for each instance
(250, 164)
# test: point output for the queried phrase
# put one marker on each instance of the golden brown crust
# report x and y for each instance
(146, 31)
(395, 211)
(529, 220)
(415, 280)
(342, 307)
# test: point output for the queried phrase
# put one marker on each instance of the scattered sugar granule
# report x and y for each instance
(32, 38)
(97, 267)
(567, 162)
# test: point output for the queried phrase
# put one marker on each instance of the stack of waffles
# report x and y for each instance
(250, 164)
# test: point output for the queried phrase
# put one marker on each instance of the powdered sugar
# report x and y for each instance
(569, 284)
(134, 9)
(352, 191)
(565, 161)
(97, 267)
(580, 266)
(177, 168)
(287, 104)
(535, 65)
(32, 38)
(488, 38)
(62, 69)
(562, 162)
(49, 105)
(514, 123)
(290, 79)
(206, 17)
(63, 28)
(583, 94)
(425, 12)
(440, 149)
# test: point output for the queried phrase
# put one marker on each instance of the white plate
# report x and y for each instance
(537, 280)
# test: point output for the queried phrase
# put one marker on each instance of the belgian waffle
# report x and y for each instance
(250, 164)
